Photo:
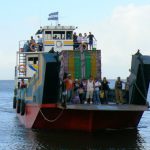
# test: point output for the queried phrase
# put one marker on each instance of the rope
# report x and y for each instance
(134, 82)
(140, 92)
(53, 120)
(141, 62)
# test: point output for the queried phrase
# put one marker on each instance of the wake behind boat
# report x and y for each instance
(39, 93)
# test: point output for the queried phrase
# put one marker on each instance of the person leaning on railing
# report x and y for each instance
(75, 42)
(40, 43)
(26, 46)
(79, 39)
(32, 44)
(91, 37)
(85, 41)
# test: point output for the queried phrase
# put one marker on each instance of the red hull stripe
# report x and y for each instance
(43, 105)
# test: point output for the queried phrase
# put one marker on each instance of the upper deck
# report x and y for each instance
(57, 37)
(48, 38)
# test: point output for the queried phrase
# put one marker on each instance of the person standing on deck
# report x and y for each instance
(85, 40)
(81, 92)
(64, 91)
(76, 87)
(32, 44)
(105, 88)
(23, 86)
(69, 87)
(90, 89)
(91, 37)
(40, 43)
(75, 42)
(26, 46)
(79, 40)
(118, 91)
(127, 90)
(76, 98)
(32, 40)
(84, 83)
(96, 96)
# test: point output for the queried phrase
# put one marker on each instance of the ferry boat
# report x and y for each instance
(38, 104)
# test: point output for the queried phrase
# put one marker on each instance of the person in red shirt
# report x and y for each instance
(22, 84)
(69, 87)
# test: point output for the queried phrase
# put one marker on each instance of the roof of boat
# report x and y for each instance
(56, 28)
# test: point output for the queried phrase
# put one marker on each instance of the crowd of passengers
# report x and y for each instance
(93, 91)
(83, 42)
(31, 45)
(80, 42)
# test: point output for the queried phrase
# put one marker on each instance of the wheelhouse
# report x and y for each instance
(57, 37)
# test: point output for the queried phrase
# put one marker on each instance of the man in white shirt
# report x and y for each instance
(85, 40)
(96, 96)
(90, 89)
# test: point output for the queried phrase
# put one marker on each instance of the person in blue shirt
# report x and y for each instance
(40, 43)
(91, 37)
(26, 46)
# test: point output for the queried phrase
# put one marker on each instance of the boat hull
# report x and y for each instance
(80, 117)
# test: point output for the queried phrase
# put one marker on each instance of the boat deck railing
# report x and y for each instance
(108, 107)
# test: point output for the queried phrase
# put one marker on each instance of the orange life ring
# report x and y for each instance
(84, 46)
(22, 68)
(33, 45)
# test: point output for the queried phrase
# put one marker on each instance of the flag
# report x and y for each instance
(53, 16)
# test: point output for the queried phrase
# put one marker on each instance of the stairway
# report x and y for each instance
(22, 64)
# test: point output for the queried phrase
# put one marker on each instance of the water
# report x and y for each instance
(13, 136)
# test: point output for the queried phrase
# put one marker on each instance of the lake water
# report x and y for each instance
(13, 136)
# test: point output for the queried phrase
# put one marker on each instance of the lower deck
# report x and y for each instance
(104, 107)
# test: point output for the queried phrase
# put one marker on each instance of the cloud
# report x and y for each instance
(120, 35)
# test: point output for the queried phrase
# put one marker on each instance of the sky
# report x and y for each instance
(121, 27)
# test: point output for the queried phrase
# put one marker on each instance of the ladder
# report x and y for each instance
(22, 64)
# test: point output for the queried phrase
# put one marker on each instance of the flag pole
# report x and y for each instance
(57, 21)
(54, 16)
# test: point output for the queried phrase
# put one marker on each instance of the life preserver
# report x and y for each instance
(84, 46)
(22, 68)
(59, 44)
(32, 46)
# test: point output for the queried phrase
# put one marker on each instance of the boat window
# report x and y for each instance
(33, 60)
(48, 35)
(69, 35)
(58, 35)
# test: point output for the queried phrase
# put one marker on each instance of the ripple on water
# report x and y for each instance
(13, 136)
